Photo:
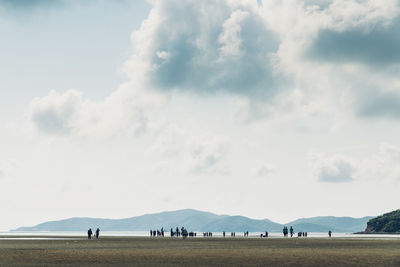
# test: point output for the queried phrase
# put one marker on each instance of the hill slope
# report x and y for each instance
(192, 219)
(387, 223)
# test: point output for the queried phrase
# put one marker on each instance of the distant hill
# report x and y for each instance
(191, 219)
(326, 223)
(386, 223)
(195, 220)
(241, 224)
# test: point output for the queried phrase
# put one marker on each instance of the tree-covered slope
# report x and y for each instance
(386, 223)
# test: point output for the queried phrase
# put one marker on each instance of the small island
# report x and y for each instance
(388, 223)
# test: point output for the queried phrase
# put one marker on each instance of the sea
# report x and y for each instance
(76, 235)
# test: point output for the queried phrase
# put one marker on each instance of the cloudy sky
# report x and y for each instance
(268, 109)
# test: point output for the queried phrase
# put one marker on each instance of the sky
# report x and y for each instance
(276, 109)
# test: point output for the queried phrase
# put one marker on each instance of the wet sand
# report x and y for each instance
(146, 251)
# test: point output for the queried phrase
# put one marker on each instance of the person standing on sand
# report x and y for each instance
(330, 233)
(89, 233)
(97, 233)
(285, 231)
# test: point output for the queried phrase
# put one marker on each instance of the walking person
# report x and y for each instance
(97, 233)
(89, 233)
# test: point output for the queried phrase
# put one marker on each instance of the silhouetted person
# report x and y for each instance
(291, 231)
(285, 231)
(97, 233)
(330, 233)
(223, 234)
(89, 233)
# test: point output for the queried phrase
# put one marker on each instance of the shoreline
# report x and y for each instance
(376, 233)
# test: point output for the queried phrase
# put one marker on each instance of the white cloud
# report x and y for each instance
(127, 110)
(190, 151)
(333, 169)
(265, 170)
(383, 166)
(6, 167)
(205, 47)
(208, 155)
(56, 113)
(264, 53)
(230, 37)
(337, 51)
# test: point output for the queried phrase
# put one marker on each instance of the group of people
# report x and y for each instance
(300, 234)
(262, 235)
(157, 232)
(177, 232)
(286, 231)
(182, 232)
(90, 233)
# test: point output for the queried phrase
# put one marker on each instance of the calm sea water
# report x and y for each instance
(66, 235)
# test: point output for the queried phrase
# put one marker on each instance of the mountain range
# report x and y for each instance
(195, 220)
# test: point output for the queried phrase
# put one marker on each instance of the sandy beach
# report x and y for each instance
(144, 251)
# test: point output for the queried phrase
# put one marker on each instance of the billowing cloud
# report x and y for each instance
(335, 169)
(342, 55)
(277, 57)
(205, 47)
(126, 110)
(382, 166)
(381, 104)
(266, 53)
(57, 113)
(373, 45)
